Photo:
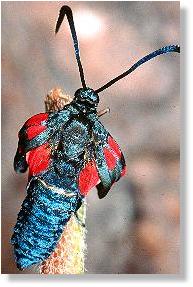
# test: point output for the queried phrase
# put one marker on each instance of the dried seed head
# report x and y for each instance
(56, 100)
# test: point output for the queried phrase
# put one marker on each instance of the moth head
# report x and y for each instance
(87, 97)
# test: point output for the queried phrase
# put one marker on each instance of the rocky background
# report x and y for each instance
(135, 229)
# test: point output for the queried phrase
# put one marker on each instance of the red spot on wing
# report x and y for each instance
(88, 178)
(38, 159)
(110, 159)
(116, 153)
(37, 119)
(33, 131)
(114, 146)
(34, 125)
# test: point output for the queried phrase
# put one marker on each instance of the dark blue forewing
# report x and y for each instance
(37, 131)
(108, 156)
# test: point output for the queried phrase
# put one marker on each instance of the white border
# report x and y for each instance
(185, 279)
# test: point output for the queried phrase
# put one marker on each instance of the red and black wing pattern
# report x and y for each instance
(35, 138)
(107, 164)
(105, 167)
(33, 128)
(110, 164)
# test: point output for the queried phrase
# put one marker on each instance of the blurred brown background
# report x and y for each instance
(135, 229)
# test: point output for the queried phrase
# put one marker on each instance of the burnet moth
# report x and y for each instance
(68, 152)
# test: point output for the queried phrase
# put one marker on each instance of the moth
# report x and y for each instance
(67, 152)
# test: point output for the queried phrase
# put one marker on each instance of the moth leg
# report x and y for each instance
(103, 112)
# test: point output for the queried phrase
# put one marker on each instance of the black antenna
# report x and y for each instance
(164, 50)
(65, 10)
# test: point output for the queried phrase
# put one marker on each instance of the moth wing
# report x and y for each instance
(34, 138)
(88, 177)
(33, 127)
(106, 165)
(109, 159)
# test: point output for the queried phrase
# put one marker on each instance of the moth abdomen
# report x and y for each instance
(41, 222)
